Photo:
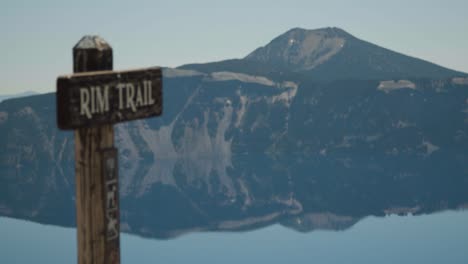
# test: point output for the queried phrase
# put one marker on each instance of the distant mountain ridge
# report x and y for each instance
(327, 54)
(10, 96)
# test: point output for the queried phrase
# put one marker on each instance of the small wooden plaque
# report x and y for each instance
(107, 97)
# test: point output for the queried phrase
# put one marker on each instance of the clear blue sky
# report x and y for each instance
(37, 36)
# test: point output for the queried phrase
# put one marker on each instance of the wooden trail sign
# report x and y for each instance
(91, 101)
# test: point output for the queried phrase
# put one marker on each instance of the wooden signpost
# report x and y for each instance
(90, 102)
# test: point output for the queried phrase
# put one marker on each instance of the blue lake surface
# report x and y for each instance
(435, 238)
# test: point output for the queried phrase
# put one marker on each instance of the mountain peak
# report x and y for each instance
(326, 31)
(302, 49)
(327, 54)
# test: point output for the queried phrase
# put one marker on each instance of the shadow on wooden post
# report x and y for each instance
(98, 228)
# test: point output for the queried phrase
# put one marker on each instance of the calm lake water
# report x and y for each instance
(435, 238)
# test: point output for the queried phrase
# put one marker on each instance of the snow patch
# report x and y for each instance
(430, 148)
(402, 124)
(288, 84)
(247, 221)
(402, 210)
(243, 189)
(388, 86)
(25, 111)
(323, 152)
(232, 76)
(292, 207)
(460, 81)
(241, 112)
(173, 73)
(286, 97)
(324, 221)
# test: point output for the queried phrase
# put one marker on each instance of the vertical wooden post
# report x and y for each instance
(98, 229)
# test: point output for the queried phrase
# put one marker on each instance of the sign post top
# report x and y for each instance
(92, 42)
(92, 53)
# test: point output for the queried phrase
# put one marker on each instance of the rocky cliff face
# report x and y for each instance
(191, 146)
(235, 151)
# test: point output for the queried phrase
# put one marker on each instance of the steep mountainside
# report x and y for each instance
(235, 152)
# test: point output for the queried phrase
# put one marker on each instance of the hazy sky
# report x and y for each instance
(38, 36)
